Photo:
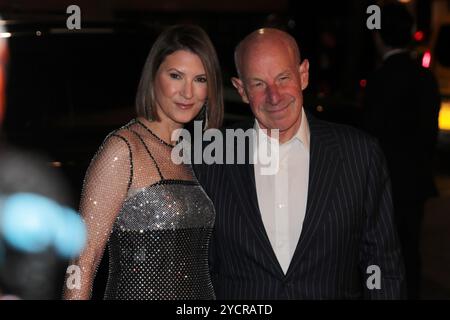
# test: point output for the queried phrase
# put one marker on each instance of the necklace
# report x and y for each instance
(154, 135)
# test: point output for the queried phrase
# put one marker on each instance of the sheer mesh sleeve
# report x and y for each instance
(105, 188)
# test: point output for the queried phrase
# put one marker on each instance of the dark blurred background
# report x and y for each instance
(67, 89)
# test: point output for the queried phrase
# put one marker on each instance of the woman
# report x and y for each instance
(156, 216)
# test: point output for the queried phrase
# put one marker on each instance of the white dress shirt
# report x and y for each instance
(282, 196)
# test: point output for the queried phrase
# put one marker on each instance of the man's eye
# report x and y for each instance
(174, 75)
(284, 78)
(257, 84)
(201, 79)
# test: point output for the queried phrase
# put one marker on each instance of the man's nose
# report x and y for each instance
(187, 90)
(273, 94)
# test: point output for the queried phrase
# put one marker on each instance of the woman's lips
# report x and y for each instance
(185, 106)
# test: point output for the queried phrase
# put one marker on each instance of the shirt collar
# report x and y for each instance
(302, 134)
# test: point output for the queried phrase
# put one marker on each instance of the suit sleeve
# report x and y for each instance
(380, 253)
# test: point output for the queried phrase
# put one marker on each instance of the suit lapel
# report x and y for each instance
(325, 161)
(242, 178)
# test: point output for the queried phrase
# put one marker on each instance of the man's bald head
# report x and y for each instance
(261, 39)
(272, 79)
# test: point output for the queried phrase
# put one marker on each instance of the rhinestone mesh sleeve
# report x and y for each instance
(154, 216)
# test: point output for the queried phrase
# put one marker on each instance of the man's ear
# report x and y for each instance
(303, 71)
(237, 83)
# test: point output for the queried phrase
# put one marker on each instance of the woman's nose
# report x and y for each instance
(187, 90)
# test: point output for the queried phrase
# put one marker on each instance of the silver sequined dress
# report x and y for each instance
(155, 217)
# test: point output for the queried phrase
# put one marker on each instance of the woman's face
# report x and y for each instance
(180, 87)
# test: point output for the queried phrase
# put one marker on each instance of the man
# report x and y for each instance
(401, 108)
(316, 227)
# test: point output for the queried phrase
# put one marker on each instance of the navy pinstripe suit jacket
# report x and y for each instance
(348, 226)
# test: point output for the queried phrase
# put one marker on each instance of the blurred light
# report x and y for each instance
(56, 164)
(404, 1)
(363, 83)
(27, 221)
(5, 35)
(426, 59)
(419, 35)
(444, 116)
(32, 223)
(38, 33)
(319, 108)
(70, 236)
(2, 25)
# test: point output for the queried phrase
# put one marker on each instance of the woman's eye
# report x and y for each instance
(174, 76)
(201, 79)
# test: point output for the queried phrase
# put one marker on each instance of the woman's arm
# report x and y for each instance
(105, 188)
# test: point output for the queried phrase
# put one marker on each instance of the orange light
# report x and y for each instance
(444, 116)
(426, 59)
(418, 35)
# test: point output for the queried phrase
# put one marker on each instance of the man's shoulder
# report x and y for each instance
(337, 129)
(357, 149)
(345, 136)
(400, 67)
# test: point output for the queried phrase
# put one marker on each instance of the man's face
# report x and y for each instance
(272, 83)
